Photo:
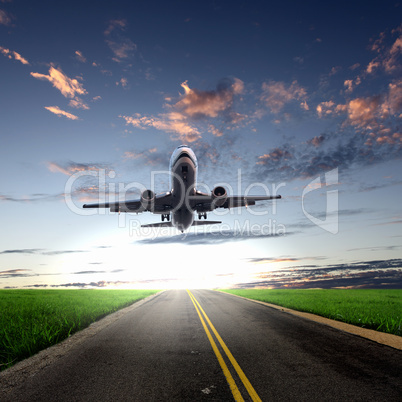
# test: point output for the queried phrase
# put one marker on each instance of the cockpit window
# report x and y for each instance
(183, 150)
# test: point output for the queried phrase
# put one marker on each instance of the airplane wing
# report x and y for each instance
(204, 202)
(245, 201)
(161, 203)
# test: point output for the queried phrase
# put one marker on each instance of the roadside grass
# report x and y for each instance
(380, 310)
(32, 320)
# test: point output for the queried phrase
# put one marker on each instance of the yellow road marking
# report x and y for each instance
(233, 387)
(253, 394)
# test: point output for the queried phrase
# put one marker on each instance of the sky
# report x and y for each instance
(301, 99)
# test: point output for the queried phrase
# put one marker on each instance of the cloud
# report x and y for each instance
(317, 141)
(72, 167)
(69, 87)
(11, 54)
(197, 104)
(377, 114)
(328, 108)
(121, 46)
(174, 123)
(301, 161)
(276, 155)
(388, 58)
(364, 274)
(40, 251)
(88, 272)
(16, 273)
(56, 110)
(123, 82)
(368, 133)
(273, 260)
(31, 198)
(362, 111)
(376, 248)
(192, 109)
(60, 252)
(5, 19)
(105, 284)
(78, 103)
(22, 251)
(276, 95)
(80, 57)
(151, 157)
(212, 238)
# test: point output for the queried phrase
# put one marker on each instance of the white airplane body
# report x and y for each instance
(183, 200)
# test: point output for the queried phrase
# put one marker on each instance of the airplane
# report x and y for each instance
(178, 205)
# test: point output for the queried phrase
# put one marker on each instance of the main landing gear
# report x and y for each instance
(165, 216)
(202, 215)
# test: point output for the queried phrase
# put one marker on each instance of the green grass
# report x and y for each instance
(380, 310)
(32, 320)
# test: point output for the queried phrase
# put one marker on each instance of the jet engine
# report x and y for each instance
(219, 196)
(147, 199)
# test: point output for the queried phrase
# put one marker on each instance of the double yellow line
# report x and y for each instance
(232, 384)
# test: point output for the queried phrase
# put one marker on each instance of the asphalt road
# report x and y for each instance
(161, 351)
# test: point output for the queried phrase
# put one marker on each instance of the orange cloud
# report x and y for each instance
(387, 58)
(170, 122)
(276, 95)
(59, 112)
(317, 140)
(4, 18)
(391, 61)
(78, 103)
(195, 103)
(121, 46)
(393, 103)
(80, 56)
(276, 155)
(362, 111)
(149, 157)
(10, 54)
(72, 168)
(67, 86)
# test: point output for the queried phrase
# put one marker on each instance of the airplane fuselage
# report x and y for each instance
(183, 171)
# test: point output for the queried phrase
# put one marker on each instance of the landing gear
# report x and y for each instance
(202, 215)
(165, 216)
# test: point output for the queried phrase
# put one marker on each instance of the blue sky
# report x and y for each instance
(303, 100)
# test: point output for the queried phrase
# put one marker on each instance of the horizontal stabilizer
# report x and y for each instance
(158, 225)
(199, 223)
(170, 225)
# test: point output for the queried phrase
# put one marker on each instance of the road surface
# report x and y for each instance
(206, 345)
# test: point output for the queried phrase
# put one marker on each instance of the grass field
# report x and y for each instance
(32, 320)
(380, 310)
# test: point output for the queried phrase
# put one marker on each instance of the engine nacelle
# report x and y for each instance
(147, 199)
(219, 196)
